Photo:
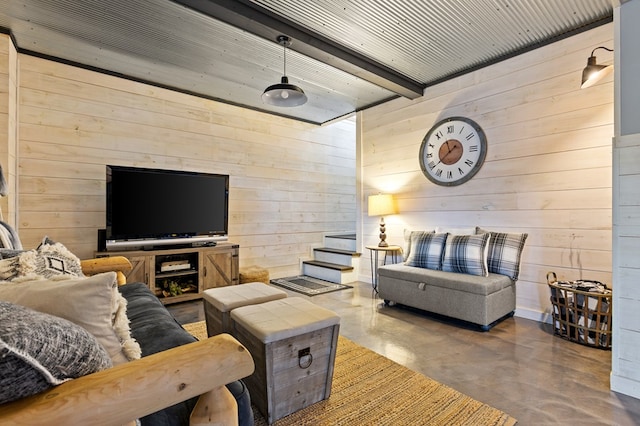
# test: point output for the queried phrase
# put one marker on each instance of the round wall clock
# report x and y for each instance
(453, 151)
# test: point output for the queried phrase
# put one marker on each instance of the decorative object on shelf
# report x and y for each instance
(284, 94)
(382, 205)
(453, 151)
(593, 72)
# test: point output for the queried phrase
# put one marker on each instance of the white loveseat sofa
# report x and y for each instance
(469, 277)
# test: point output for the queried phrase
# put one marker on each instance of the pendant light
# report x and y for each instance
(284, 94)
(593, 72)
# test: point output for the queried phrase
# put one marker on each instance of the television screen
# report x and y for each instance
(165, 204)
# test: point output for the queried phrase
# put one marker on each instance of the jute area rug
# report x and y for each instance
(369, 389)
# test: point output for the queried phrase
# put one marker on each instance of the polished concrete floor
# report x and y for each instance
(519, 366)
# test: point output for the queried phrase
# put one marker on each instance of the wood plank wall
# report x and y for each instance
(290, 182)
(8, 126)
(547, 172)
(625, 354)
(626, 338)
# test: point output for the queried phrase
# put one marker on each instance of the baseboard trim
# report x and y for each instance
(625, 386)
(532, 314)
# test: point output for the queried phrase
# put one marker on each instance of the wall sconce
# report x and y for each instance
(381, 205)
(593, 72)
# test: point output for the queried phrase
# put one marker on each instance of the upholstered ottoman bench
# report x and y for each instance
(220, 301)
(293, 344)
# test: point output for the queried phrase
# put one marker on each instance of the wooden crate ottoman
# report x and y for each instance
(293, 344)
(220, 301)
(253, 273)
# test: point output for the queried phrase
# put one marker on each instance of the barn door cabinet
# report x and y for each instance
(178, 275)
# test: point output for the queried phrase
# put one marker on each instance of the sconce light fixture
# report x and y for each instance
(284, 94)
(381, 205)
(593, 72)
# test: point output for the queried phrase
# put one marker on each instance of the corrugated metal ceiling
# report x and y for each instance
(429, 40)
(346, 54)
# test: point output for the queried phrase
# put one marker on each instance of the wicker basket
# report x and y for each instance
(580, 316)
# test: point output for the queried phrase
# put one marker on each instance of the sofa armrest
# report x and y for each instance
(119, 264)
(129, 391)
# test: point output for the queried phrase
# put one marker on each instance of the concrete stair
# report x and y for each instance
(336, 262)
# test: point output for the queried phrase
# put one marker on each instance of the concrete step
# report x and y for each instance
(332, 272)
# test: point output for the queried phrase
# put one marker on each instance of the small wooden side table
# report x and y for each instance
(394, 251)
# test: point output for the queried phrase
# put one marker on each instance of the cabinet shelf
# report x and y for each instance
(209, 267)
(176, 273)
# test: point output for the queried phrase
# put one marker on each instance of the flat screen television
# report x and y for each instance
(154, 207)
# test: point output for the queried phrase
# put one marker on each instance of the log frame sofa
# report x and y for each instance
(154, 374)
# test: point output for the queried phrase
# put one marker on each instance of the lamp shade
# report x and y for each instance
(284, 94)
(593, 72)
(381, 205)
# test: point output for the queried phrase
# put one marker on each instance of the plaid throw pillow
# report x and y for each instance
(466, 254)
(406, 250)
(426, 250)
(505, 251)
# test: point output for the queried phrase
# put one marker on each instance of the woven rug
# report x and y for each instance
(369, 389)
(308, 285)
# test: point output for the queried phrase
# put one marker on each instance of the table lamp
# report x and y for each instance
(381, 205)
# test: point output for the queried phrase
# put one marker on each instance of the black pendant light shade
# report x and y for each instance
(284, 94)
(593, 72)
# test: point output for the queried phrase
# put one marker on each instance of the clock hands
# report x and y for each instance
(450, 150)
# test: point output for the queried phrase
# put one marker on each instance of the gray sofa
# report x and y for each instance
(476, 299)
(467, 277)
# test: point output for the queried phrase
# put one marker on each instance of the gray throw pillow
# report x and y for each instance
(39, 351)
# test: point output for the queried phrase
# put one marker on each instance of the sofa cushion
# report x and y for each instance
(505, 252)
(39, 351)
(451, 280)
(50, 260)
(426, 250)
(466, 254)
(153, 326)
(93, 303)
(157, 330)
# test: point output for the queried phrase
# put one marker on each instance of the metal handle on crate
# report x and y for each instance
(305, 359)
(555, 278)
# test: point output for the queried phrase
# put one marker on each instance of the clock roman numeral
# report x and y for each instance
(468, 163)
(460, 171)
(431, 165)
(449, 174)
(473, 148)
(439, 173)
(470, 136)
(439, 135)
(450, 129)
